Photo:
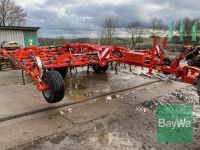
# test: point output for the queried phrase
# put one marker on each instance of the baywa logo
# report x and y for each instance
(182, 123)
(174, 123)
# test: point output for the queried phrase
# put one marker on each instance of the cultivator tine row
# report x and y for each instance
(48, 66)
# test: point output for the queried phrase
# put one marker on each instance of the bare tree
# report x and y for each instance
(135, 30)
(109, 29)
(157, 26)
(11, 14)
(61, 40)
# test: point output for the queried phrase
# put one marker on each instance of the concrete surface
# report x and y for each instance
(94, 110)
(110, 122)
(16, 98)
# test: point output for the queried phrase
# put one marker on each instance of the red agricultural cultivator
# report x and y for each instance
(48, 66)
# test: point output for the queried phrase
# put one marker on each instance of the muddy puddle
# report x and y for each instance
(85, 85)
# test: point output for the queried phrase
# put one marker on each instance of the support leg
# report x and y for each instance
(130, 68)
(116, 68)
(111, 64)
(23, 79)
(88, 69)
(125, 66)
(199, 100)
(71, 68)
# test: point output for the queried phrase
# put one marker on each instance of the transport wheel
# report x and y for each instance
(167, 61)
(56, 90)
(198, 87)
(96, 68)
(194, 61)
(99, 69)
(62, 71)
(104, 68)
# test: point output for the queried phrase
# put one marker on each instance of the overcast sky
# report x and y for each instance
(82, 18)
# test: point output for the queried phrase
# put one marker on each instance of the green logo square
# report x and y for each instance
(174, 123)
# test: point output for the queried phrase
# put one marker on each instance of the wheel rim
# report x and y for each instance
(47, 93)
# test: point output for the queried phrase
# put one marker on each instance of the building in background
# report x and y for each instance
(24, 36)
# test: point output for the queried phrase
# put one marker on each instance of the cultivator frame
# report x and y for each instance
(48, 66)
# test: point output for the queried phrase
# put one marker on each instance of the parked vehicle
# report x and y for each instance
(10, 46)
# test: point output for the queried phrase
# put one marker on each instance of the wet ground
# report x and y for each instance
(85, 85)
(117, 111)
(79, 87)
(130, 128)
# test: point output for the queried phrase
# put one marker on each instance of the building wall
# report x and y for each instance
(30, 33)
(15, 36)
(12, 36)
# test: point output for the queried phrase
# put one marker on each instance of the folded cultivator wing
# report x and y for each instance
(48, 66)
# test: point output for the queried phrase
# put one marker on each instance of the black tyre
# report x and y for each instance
(195, 61)
(194, 53)
(56, 90)
(96, 68)
(167, 61)
(62, 71)
(104, 68)
(198, 86)
(99, 69)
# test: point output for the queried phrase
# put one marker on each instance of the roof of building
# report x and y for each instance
(19, 28)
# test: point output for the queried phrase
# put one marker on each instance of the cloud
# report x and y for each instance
(83, 18)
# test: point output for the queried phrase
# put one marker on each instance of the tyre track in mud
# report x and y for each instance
(29, 113)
